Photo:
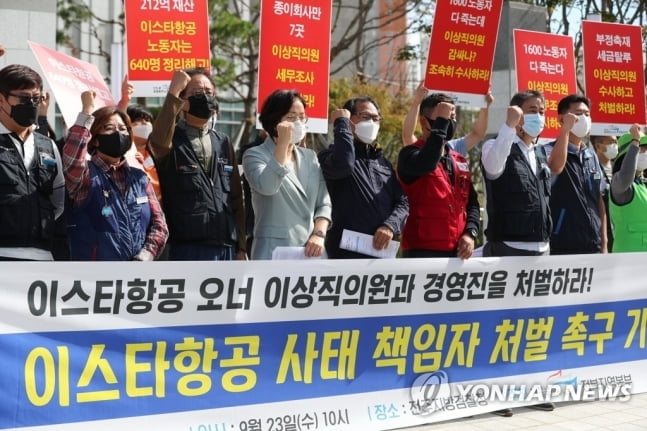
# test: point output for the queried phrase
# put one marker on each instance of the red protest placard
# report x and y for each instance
(545, 62)
(163, 37)
(613, 76)
(294, 53)
(461, 50)
(68, 77)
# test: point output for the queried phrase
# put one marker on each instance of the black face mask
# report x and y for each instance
(202, 105)
(113, 145)
(451, 127)
(25, 114)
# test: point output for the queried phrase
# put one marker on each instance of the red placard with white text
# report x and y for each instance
(163, 37)
(461, 50)
(545, 62)
(68, 77)
(613, 76)
(294, 53)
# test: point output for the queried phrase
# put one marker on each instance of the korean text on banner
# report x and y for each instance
(545, 62)
(614, 76)
(163, 37)
(321, 344)
(68, 77)
(294, 53)
(461, 50)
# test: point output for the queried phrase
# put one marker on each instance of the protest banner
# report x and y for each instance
(545, 62)
(68, 77)
(294, 53)
(163, 37)
(613, 76)
(461, 50)
(330, 345)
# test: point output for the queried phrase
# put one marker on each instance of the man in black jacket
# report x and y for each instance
(366, 196)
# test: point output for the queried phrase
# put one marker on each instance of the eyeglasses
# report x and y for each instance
(26, 98)
(365, 116)
(111, 128)
(294, 118)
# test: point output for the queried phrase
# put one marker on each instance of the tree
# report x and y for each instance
(78, 19)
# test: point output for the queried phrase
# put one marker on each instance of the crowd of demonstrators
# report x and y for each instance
(444, 213)
(559, 198)
(115, 214)
(365, 194)
(289, 195)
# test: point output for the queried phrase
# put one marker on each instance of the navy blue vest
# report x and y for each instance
(574, 205)
(108, 226)
(517, 201)
(197, 204)
(26, 211)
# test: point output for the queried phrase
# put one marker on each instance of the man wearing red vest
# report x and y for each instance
(443, 206)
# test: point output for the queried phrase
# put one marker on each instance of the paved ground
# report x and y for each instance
(594, 415)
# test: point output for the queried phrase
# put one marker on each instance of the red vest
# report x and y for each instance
(437, 207)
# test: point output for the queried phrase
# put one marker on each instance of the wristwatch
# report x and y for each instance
(319, 233)
(472, 232)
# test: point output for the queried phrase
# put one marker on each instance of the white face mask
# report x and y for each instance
(298, 132)
(582, 127)
(142, 131)
(642, 162)
(366, 131)
(611, 151)
(533, 124)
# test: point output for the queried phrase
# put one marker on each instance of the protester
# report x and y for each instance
(33, 191)
(628, 203)
(200, 182)
(576, 204)
(364, 190)
(606, 148)
(115, 214)
(141, 121)
(291, 203)
(444, 214)
(461, 145)
(517, 182)
(247, 191)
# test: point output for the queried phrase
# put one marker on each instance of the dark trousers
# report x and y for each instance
(498, 248)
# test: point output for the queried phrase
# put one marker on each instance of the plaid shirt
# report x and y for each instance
(77, 180)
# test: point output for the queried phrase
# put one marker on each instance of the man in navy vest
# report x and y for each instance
(33, 188)
(517, 182)
(517, 188)
(203, 197)
(576, 201)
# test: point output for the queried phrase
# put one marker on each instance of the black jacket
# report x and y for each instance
(363, 188)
